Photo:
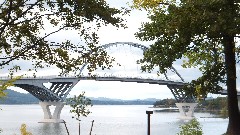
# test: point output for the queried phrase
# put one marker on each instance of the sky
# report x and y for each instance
(126, 56)
(124, 90)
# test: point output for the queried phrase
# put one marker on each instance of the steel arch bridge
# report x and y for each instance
(176, 90)
(61, 86)
(131, 44)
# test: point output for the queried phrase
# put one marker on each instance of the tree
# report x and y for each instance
(27, 30)
(165, 102)
(204, 34)
(79, 105)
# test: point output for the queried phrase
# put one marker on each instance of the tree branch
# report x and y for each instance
(8, 17)
(2, 4)
(12, 21)
(27, 48)
(27, 20)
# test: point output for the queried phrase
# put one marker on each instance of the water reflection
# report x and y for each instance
(51, 129)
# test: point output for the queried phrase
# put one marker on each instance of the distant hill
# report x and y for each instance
(122, 102)
(109, 101)
(14, 97)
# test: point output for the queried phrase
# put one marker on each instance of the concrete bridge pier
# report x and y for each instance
(186, 110)
(48, 116)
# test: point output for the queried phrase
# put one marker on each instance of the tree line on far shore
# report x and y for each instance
(215, 105)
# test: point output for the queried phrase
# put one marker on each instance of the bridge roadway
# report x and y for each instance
(45, 79)
(61, 86)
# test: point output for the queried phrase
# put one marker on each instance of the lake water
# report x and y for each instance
(108, 120)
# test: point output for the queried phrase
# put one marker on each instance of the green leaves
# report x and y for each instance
(192, 30)
(150, 5)
(80, 106)
(191, 128)
(27, 30)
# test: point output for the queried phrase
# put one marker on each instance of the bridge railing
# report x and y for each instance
(130, 77)
(28, 77)
(133, 76)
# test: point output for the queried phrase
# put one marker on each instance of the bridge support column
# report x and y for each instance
(48, 116)
(186, 110)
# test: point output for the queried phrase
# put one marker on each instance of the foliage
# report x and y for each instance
(165, 103)
(221, 104)
(24, 130)
(147, 4)
(224, 112)
(181, 31)
(28, 30)
(216, 104)
(204, 34)
(79, 106)
(191, 128)
(5, 85)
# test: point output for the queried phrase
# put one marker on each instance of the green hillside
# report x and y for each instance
(14, 97)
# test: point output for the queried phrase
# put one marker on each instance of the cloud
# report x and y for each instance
(121, 90)
(124, 55)
(111, 34)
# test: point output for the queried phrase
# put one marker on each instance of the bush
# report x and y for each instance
(191, 128)
(24, 131)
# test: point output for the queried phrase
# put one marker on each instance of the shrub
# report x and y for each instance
(191, 128)
(24, 130)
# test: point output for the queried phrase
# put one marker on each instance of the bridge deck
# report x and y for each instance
(61, 86)
(111, 78)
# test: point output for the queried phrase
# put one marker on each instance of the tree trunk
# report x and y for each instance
(233, 111)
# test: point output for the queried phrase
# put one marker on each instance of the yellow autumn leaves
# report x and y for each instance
(151, 5)
(146, 4)
(24, 131)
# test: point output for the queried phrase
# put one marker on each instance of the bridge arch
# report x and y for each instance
(60, 87)
(136, 45)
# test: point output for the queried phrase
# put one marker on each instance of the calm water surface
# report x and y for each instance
(108, 120)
